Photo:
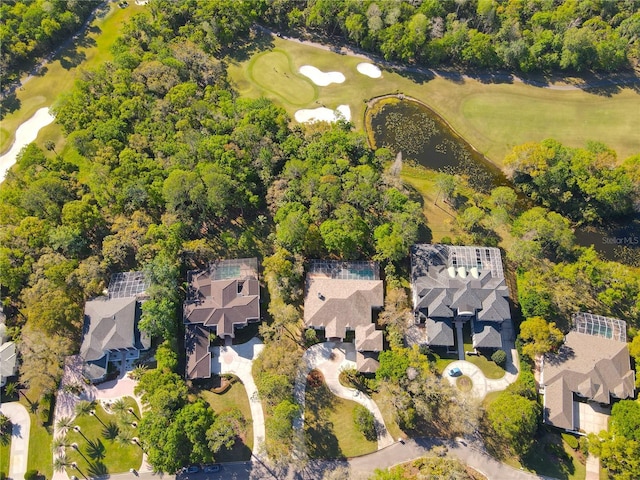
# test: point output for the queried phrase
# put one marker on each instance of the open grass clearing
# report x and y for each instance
(493, 117)
(86, 52)
(234, 397)
(329, 428)
(100, 455)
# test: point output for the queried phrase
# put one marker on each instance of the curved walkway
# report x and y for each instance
(483, 385)
(330, 358)
(19, 451)
(108, 391)
(238, 359)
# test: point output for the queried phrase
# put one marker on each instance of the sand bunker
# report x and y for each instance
(25, 134)
(320, 78)
(369, 69)
(323, 114)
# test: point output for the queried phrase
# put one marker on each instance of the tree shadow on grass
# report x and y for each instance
(96, 449)
(548, 457)
(320, 438)
(10, 103)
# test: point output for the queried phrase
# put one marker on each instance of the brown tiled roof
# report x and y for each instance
(223, 304)
(196, 343)
(594, 367)
(367, 362)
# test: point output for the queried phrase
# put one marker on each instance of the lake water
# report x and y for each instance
(425, 138)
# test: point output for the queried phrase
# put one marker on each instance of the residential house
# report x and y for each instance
(591, 369)
(8, 358)
(341, 297)
(454, 285)
(111, 334)
(220, 299)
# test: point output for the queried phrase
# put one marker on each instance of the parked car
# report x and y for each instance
(455, 372)
(191, 469)
(211, 468)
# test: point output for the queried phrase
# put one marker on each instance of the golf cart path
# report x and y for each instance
(21, 427)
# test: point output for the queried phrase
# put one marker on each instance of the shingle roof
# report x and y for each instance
(594, 367)
(7, 359)
(486, 335)
(366, 362)
(558, 405)
(439, 332)
(368, 339)
(345, 304)
(448, 281)
(222, 304)
(110, 324)
(196, 342)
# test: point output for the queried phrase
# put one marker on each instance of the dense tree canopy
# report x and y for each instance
(32, 28)
(524, 35)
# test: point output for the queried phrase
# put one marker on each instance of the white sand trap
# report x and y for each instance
(369, 69)
(25, 134)
(320, 78)
(323, 114)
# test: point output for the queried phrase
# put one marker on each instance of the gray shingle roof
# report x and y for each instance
(448, 281)
(439, 332)
(486, 335)
(594, 367)
(367, 362)
(7, 360)
(110, 324)
(368, 339)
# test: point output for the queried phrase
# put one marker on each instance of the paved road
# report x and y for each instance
(19, 451)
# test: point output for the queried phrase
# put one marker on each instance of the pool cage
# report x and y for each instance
(234, 268)
(600, 326)
(340, 270)
(127, 284)
(484, 258)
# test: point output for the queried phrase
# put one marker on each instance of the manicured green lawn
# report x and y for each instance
(4, 457)
(86, 52)
(552, 457)
(40, 437)
(493, 117)
(235, 396)
(383, 400)
(328, 425)
(99, 455)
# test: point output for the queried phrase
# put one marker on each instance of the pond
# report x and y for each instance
(423, 137)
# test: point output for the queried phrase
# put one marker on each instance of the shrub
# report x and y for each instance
(570, 440)
(500, 357)
(583, 443)
(31, 475)
(365, 422)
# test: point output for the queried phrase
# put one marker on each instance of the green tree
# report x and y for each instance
(539, 336)
(514, 419)
(365, 422)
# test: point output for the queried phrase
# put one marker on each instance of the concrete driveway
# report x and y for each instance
(238, 360)
(330, 358)
(19, 451)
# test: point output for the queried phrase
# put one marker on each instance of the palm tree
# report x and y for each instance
(119, 407)
(124, 437)
(61, 462)
(77, 449)
(93, 413)
(84, 407)
(60, 443)
(64, 424)
(137, 372)
(77, 429)
(10, 389)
